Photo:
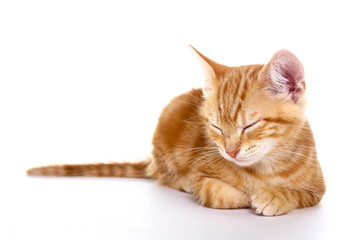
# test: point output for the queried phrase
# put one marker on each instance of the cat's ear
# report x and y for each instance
(284, 76)
(211, 70)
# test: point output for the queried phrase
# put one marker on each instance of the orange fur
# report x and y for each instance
(243, 141)
(133, 170)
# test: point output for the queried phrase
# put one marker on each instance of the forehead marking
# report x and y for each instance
(240, 102)
(223, 100)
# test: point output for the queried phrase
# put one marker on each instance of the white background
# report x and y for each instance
(85, 81)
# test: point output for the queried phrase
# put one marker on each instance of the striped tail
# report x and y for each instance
(126, 169)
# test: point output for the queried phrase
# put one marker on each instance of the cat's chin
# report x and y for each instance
(243, 162)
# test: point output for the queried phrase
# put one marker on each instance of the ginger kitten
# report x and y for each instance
(242, 141)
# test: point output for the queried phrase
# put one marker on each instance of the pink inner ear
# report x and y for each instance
(207, 85)
(287, 75)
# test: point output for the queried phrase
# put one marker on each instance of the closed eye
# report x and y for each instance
(251, 125)
(217, 128)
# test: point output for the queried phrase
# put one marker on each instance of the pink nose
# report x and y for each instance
(232, 152)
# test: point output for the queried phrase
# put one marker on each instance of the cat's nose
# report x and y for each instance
(232, 152)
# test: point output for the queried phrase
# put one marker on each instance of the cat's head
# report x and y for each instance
(252, 110)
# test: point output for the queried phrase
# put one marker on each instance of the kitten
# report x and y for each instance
(243, 141)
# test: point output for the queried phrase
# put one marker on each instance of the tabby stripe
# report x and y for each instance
(218, 98)
(277, 120)
(224, 109)
(244, 90)
(137, 169)
(239, 103)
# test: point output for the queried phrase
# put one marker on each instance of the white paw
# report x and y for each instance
(269, 203)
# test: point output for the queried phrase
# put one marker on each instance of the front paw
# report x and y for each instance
(270, 202)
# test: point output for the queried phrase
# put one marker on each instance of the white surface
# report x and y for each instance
(85, 81)
(85, 208)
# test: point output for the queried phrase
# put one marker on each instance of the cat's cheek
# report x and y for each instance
(267, 145)
(256, 151)
(215, 135)
(217, 138)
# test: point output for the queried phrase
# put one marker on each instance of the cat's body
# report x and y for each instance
(243, 141)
